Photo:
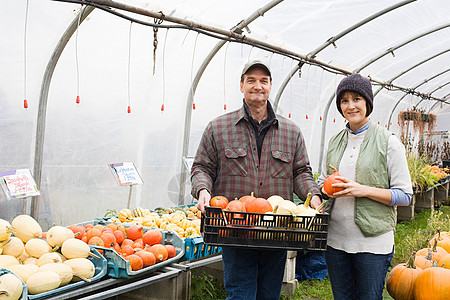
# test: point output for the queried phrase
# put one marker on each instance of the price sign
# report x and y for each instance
(19, 184)
(125, 173)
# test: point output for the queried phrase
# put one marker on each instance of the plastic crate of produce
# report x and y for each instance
(119, 267)
(196, 248)
(24, 286)
(270, 231)
(100, 271)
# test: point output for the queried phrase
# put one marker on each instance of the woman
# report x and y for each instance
(375, 179)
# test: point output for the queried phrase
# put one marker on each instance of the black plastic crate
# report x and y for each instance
(270, 231)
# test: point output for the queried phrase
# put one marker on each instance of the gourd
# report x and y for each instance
(41, 282)
(5, 230)
(125, 215)
(26, 228)
(10, 287)
(75, 248)
(64, 271)
(14, 247)
(8, 260)
(37, 247)
(81, 266)
(400, 281)
(331, 179)
(23, 271)
(247, 199)
(48, 258)
(57, 235)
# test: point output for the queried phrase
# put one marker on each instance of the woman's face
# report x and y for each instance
(354, 109)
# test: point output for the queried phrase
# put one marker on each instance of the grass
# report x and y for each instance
(409, 236)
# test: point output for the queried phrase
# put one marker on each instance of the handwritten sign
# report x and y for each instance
(125, 173)
(19, 184)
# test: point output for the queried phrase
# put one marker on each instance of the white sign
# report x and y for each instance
(19, 184)
(125, 173)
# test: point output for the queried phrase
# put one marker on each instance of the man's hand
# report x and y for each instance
(315, 201)
(203, 200)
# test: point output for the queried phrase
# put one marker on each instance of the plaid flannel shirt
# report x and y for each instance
(227, 164)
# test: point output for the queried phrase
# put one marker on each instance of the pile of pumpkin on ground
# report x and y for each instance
(48, 260)
(426, 275)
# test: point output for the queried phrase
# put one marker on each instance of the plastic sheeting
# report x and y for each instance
(115, 70)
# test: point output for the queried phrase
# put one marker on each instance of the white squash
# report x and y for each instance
(14, 247)
(23, 256)
(285, 208)
(10, 287)
(81, 266)
(37, 247)
(75, 248)
(57, 235)
(64, 271)
(5, 230)
(26, 228)
(23, 271)
(8, 260)
(275, 200)
(30, 261)
(41, 282)
(51, 257)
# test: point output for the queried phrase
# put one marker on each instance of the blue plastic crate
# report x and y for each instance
(100, 271)
(196, 248)
(119, 267)
(24, 290)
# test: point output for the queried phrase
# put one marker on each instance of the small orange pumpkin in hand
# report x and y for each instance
(218, 201)
(331, 179)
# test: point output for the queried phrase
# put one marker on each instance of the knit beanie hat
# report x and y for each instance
(358, 84)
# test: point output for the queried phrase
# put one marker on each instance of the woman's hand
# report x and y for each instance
(351, 188)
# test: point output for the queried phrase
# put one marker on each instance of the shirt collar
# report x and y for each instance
(271, 116)
(362, 129)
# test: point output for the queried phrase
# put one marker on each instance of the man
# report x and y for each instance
(252, 150)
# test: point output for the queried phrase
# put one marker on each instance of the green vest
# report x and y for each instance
(372, 217)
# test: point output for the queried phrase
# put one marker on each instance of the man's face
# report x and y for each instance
(256, 87)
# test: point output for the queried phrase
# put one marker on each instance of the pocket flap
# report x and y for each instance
(283, 156)
(235, 152)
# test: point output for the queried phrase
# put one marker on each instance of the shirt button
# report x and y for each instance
(257, 167)
(260, 183)
(254, 149)
(354, 147)
(351, 155)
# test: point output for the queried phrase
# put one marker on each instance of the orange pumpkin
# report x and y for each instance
(258, 205)
(160, 252)
(424, 262)
(331, 179)
(134, 232)
(218, 201)
(120, 236)
(444, 262)
(148, 258)
(78, 231)
(172, 252)
(436, 252)
(93, 232)
(400, 281)
(96, 241)
(236, 206)
(152, 236)
(126, 242)
(433, 284)
(109, 239)
(127, 250)
(442, 241)
(247, 199)
(136, 263)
